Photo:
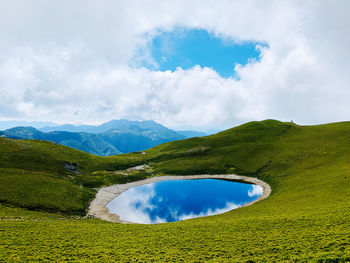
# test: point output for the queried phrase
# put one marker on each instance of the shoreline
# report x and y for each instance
(104, 195)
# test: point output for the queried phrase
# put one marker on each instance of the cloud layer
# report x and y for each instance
(75, 62)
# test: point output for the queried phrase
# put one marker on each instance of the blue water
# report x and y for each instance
(176, 200)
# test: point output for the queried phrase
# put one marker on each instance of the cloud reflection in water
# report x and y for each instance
(177, 200)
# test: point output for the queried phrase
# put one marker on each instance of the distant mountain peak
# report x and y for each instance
(26, 128)
(120, 125)
(109, 138)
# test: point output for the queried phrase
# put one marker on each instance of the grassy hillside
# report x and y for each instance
(306, 218)
(41, 175)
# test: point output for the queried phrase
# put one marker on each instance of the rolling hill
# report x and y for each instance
(45, 189)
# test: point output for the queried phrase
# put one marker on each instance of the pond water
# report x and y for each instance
(175, 200)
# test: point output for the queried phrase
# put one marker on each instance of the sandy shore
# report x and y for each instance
(99, 210)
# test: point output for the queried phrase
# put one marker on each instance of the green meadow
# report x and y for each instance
(306, 218)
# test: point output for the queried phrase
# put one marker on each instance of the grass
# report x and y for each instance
(306, 218)
(33, 175)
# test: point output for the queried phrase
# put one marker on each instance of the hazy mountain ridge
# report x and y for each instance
(121, 125)
(87, 142)
(4, 125)
(191, 134)
(110, 138)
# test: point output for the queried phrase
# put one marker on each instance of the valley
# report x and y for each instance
(43, 204)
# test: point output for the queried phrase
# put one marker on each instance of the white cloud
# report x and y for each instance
(228, 207)
(70, 64)
(125, 205)
(255, 191)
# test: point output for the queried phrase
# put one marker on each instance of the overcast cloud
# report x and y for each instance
(74, 61)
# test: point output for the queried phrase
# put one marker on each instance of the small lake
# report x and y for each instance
(176, 200)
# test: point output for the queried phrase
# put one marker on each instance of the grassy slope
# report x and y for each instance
(32, 175)
(305, 218)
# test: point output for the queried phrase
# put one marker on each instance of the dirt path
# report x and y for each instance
(99, 210)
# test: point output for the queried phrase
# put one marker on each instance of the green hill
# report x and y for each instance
(305, 219)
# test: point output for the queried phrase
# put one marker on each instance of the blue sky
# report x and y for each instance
(186, 48)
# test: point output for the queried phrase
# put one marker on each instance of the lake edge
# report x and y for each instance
(98, 207)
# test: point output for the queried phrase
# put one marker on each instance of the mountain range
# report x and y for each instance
(110, 138)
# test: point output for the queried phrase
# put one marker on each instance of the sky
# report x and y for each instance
(185, 64)
(186, 48)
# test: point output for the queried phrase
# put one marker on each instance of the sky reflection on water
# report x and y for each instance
(176, 200)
